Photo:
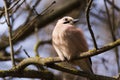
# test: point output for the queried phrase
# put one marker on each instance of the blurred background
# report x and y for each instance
(104, 19)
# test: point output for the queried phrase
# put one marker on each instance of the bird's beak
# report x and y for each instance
(75, 20)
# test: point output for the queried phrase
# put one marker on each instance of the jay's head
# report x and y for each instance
(67, 20)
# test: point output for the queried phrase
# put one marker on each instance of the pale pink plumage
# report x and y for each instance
(69, 42)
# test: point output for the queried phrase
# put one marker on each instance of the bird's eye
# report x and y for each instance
(66, 19)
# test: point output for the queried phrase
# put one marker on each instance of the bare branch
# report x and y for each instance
(50, 61)
(40, 43)
(116, 7)
(5, 58)
(26, 53)
(81, 73)
(45, 11)
(88, 23)
(10, 32)
(27, 74)
(111, 25)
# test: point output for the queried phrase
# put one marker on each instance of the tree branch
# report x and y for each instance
(40, 43)
(27, 74)
(49, 62)
(88, 23)
(111, 26)
(8, 58)
(81, 73)
(10, 33)
(115, 6)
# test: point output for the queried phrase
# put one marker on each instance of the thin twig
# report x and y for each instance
(35, 11)
(35, 5)
(115, 6)
(26, 53)
(112, 33)
(44, 11)
(98, 17)
(113, 16)
(88, 23)
(10, 33)
(36, 33)
(16, 2)
(40, 43)
(36, 44)
(114, 25)
(109, 21)
(18, 6)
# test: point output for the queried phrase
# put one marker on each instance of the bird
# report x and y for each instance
(69, 42)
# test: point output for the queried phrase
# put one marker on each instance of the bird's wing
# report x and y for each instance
(77, 39)
(80, 43)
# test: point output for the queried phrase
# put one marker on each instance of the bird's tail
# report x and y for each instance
(85, 65)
